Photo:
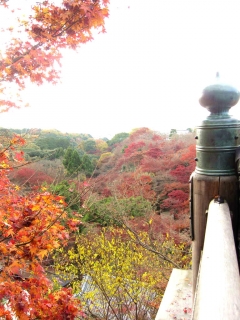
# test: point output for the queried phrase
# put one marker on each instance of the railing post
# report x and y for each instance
(215, 175)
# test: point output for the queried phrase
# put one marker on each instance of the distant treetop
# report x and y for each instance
(119, 137)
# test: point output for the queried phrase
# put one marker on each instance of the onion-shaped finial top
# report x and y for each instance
(219, 97)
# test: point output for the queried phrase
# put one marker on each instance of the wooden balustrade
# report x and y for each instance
(217, 294)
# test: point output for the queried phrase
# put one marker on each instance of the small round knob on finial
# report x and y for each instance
(219, 97)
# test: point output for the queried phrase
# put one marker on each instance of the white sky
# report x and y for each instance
(148, 70)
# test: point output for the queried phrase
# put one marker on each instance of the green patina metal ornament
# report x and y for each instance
(218, 136)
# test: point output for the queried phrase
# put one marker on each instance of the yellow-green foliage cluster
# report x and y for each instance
(115, 276)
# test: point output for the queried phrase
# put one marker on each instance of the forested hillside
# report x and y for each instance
(89, 228)
(143, 164)
(130, 195)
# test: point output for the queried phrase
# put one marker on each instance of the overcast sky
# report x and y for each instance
(148, 70)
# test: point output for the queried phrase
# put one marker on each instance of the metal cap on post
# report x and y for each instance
(218, 135)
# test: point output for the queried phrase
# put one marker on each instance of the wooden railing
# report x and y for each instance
(217, 291)
(217, 294)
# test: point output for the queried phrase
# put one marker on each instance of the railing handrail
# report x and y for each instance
(218, 288)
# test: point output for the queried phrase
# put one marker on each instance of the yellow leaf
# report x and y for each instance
(41, 254)
(36, 207)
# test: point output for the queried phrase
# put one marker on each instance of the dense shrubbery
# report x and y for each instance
(112, 211)
(70, 194)
(113, 274)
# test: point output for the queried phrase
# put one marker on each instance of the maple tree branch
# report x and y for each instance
(64, 30)
(5, 238)
(37, 234)
(56, 34)
(25, 163)
(25, 243)
(51, 224)
(41, 233)
(6, 148)
(16, 167)
(71, 24)
(25, 53)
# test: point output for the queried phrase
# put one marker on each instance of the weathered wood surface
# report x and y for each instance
(218, 289)
(177, 300)
(205, 188)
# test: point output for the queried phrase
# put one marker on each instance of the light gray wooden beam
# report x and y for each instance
(177, 299)
(218, 289)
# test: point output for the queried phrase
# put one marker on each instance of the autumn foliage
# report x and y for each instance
(31, 227)
(141, 190)
(33, 224)
(137, 182)
(122, 277)
(38, 40)
(151, 165)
